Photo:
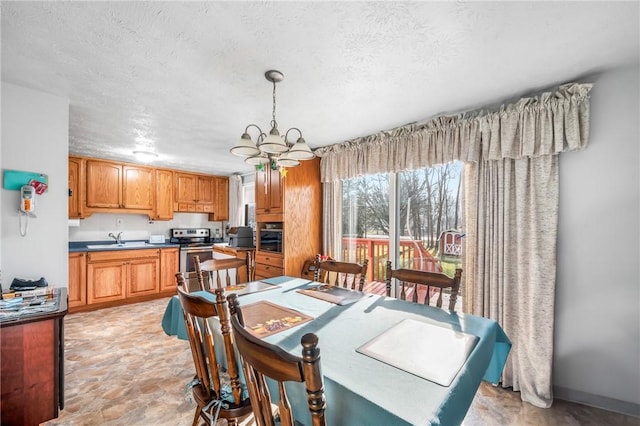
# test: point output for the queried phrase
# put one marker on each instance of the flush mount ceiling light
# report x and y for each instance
(145, 156)
(272, 148)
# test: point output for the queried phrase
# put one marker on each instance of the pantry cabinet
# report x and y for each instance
(119, 274)
(292, 204)
(112, 186)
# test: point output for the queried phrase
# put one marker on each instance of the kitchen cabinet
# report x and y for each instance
(221, 204)
(106, 186)
(268, 190)
(119, 274)
(298, 212)
(169, 267)
(113, 187)
(76, 201)
(269, 265)
(77, 279)
(164, 195)
(193, 193)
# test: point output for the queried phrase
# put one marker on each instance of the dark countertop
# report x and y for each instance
(81, 246)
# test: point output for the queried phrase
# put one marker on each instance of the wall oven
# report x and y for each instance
(271, 240)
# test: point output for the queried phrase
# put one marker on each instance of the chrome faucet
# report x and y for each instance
(118, 238)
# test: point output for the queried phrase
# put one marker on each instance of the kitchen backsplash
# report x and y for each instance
(137, 227)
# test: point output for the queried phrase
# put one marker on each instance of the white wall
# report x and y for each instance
(597, 332)
(137, 227)
(35, 138)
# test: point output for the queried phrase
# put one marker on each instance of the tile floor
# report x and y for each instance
(121, 369)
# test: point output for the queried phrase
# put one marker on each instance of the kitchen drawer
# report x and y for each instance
(270, 259)
(101, 256)
(268, 271)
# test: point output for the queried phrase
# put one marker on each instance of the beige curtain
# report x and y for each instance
(332, 218)
(510, 210)
(551, 123)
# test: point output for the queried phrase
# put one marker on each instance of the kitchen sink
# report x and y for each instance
(127, 244)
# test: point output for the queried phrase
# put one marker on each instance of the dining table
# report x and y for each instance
(382, 358)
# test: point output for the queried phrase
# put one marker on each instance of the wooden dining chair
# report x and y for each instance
(261, 359)
(194, 281)
(432, 280)
(213, 389)
(223, 272)
(341, 274)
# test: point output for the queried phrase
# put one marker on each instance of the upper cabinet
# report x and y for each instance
(76, 170)
(164, 195)
(106, 186)
(268, 190)
(193, 193)
(221, 202)
(111, 186)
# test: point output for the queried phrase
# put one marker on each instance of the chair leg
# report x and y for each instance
(197, 416)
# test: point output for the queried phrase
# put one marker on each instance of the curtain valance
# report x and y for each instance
(547, 124)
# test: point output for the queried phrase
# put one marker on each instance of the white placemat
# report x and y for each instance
(429, 351)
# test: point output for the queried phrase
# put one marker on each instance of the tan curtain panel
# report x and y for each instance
(511, 218)
(547, 124)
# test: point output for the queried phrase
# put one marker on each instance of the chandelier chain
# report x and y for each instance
(274, 123)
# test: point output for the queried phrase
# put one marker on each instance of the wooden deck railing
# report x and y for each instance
(412, 255)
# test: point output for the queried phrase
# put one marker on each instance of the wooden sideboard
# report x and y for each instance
(32, 365)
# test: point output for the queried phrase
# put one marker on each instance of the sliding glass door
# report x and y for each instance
(408, 217)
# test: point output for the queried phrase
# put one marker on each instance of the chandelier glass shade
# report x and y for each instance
(272, 148)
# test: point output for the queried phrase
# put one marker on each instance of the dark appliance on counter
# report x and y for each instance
(193, 242)
(241, 236)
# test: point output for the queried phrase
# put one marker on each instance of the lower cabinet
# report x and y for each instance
(268, 265)
(116, 275)
(169, 267)
(77, 279)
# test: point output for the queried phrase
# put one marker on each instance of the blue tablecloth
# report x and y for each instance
(364, 391)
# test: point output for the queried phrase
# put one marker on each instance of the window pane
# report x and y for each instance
(365, 223)
(430, 219)
(429, 206)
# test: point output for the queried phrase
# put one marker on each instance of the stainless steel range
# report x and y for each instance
(193, 242)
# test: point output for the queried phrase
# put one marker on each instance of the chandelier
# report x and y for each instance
(272, 149)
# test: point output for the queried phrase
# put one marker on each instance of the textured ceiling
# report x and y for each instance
(185, 78)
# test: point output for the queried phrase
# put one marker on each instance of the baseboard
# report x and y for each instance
(606, 403)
